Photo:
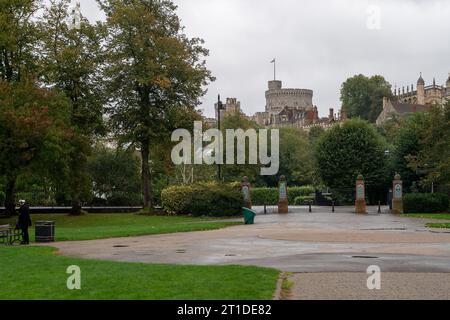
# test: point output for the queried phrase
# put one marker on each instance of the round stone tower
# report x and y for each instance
(277, 98)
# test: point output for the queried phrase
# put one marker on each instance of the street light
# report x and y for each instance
(220, 107)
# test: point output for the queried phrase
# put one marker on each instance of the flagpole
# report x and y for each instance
(274, 61)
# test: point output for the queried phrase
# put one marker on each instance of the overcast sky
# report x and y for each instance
(318, 44)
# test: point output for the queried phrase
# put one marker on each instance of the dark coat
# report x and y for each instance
(24, 217)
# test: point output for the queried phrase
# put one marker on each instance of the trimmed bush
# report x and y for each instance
(2, 198)
(212, 199)
(261, 196)
(303, 200)
(269, 196)
(425, 203)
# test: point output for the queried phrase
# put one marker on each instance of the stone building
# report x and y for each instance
(231, 107)
(411, 101)
(401, 109)
(292, 108)
(424, 95)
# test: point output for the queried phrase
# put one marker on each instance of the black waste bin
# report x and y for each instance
(45, 231)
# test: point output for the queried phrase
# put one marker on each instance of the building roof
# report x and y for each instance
(404, 108)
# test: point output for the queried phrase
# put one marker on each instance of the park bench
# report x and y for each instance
(9, 235)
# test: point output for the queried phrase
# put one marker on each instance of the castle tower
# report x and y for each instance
(448, 81)
(421, 90)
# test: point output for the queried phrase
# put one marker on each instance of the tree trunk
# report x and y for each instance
(10, 203)
(76, 208)
(146, 176)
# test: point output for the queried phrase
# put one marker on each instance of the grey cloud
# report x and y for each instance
(318, 44)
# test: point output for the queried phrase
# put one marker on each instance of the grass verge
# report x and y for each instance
(438, 216)
(101, 226)
(30, 273)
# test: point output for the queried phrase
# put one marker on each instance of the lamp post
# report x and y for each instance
(220, 107)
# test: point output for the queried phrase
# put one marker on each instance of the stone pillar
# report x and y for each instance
(360, 203)
(283, 206)
(245, 187)
(397, 199)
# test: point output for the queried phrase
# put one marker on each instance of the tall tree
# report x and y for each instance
(72, 61)
(152, 67)
(33, 132)
(18, 47)
(433, 156)
(362, 96)
(18, 39)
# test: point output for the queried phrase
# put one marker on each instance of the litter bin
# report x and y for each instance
(45, 231)
(249, 216)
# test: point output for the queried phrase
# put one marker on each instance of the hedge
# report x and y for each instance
(302, 200)
(269, 196)
(210, 199)
(425, 203)
(2, 198)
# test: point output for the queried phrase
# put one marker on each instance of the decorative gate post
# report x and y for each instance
(245, 187)
(360, 203)
(397, 201)
(283, 206)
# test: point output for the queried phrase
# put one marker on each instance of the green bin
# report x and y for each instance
(249, 215)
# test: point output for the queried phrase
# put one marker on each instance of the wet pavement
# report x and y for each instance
(299, 242)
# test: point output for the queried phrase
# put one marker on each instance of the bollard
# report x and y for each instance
(310, 209)
(379, 206)
(332, 207)
(265, 208)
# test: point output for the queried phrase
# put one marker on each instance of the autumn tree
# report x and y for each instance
(152, 67)
(71, 63)
(33, 133)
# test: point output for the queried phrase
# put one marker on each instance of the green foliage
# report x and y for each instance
(407, 147)
(164, 70)
(209, 199)
(425, 203)
(363, 97)
(34, 133)
(71, 63)
(296, 159)
(116, 176)
(2, 198)
(432, 156)
(235, 172)
(19, 37)
(261, 196)
(302, 200)
(270, 196)
(350, 149)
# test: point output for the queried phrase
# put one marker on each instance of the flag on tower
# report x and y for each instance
(273, 61)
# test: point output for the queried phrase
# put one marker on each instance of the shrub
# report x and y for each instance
(210, 199)
(302, 200)
(425, 203)
(269, 196)
(261, 196)
(2, 198)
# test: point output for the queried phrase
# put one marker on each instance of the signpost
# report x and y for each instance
(245, 187)
(360, 203)
(283, 206)
(397, 201)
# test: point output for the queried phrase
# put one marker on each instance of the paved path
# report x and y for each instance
(320, 243)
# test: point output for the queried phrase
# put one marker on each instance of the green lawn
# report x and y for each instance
(439, 225)
(437, 216)
(39, 273)
(101, 226)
